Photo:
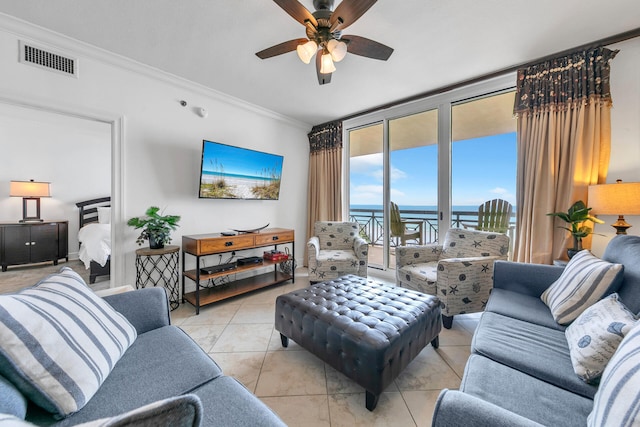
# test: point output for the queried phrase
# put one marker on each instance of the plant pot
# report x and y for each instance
(577, 247)
(156, 242)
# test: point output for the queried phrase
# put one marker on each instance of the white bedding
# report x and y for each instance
(95, 242)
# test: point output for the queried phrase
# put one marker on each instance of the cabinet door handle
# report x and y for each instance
(27, 243)
(228, 244)
(33, 243)
(275, 238)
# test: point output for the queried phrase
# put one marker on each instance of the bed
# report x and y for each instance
(94, 234)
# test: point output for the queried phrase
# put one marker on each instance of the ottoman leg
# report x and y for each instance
(371, 400)
(284, 340)
(436, 342)
(447, 321)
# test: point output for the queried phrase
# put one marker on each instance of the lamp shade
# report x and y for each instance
(306, 51)
(337, 49)
(29, 189)
(327, 64)
(621, 198)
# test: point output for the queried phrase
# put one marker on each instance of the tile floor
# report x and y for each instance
(304, 391)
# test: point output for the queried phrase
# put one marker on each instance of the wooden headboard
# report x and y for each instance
(89, 209)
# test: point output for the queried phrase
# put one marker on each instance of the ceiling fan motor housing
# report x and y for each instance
(323, 4)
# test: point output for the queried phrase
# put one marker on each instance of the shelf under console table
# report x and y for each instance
(203, 245)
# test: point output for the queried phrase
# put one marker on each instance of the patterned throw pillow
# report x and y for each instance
(596, 334)
(617, 402)
(59, 341)
(585, 280)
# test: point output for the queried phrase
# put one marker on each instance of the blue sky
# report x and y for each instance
(239, 161)
(483, 169)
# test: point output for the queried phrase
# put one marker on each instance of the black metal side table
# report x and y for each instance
(160, 267)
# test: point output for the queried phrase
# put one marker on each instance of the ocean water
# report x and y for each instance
(213, 175)
(467, 208)
(456, 210)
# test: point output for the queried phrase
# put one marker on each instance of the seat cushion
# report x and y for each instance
(420, 277)
(59, 341)
(226, 402)
(524, 395)
(523, 307)
(161, 363)
(540, 352)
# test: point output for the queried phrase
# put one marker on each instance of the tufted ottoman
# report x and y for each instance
(368, 331)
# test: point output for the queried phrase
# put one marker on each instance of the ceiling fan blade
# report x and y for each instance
(281, 48)
(297, 11)
(323, 79)
(365, 47)
(348, 12)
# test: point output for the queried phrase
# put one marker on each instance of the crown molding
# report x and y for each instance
(59, 42)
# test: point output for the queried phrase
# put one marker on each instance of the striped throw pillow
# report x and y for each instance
(59, 341)
(617, 401)
(585, 280)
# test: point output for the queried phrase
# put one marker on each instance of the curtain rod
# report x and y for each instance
(617, 38)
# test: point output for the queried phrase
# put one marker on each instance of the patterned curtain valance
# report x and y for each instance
(560, 82)
(325, 137)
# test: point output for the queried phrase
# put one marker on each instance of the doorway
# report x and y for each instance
(73, 151)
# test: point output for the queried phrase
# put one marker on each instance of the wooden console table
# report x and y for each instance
(203, 245)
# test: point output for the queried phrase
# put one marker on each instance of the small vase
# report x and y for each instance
(156, 242)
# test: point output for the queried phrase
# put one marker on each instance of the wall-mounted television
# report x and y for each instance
(228, 172)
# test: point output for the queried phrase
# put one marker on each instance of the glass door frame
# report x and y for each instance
(443, 103)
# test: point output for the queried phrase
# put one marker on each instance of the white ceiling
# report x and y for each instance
(436, 42)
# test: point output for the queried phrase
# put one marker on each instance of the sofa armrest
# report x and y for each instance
(406, 255)
(527, 279)
(146, 308)
(455, 408)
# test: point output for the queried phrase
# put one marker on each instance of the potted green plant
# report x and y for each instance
(576, 217)
(155, 227)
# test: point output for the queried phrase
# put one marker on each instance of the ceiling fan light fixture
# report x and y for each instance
(337, 49)
(327, 66)
(306, 51)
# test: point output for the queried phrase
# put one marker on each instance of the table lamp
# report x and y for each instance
(30, 191)
(621, 198)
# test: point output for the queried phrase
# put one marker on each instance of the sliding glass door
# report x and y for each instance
(413, 181)
(418, 169)
(483, 158)
(366, 187)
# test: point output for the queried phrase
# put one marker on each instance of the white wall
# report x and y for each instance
(161, 140)
(625, 133)
(73, 154)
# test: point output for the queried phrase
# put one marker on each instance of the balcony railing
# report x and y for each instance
(372, 228)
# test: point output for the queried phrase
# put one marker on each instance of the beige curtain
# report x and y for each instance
(324, 195)
(564, 138)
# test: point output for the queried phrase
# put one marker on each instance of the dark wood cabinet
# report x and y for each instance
(27, 243)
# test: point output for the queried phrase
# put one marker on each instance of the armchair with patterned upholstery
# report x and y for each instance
(336, 249)
(459, 272)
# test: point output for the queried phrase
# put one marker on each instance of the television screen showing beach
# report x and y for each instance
(230, 172)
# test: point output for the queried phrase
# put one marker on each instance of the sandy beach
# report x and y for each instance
(241, 187)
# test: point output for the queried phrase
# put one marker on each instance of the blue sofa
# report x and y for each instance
(163, 362)
(520, 371)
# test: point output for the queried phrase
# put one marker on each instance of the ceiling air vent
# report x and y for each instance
(46, 59)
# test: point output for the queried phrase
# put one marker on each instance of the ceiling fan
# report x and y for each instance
(324, 35)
